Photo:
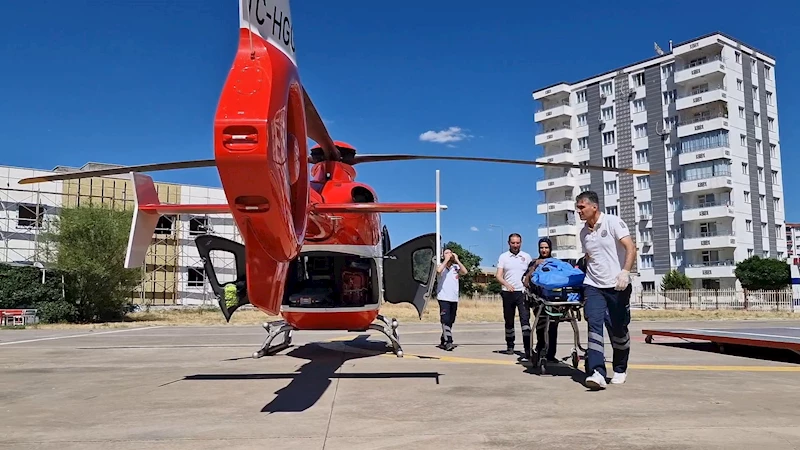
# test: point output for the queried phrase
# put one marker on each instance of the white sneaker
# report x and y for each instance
(596, 381)
(619, 378)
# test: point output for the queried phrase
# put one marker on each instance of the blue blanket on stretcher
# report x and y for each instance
(553, 275)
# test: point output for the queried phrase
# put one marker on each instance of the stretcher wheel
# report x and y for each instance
(648, 339)
(542, 368)
(575, 359)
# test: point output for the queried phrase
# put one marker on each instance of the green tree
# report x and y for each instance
(763, 273)
(88, 244)
(675, 280)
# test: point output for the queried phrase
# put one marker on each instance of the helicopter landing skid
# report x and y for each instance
(273, 330)
(390, 330)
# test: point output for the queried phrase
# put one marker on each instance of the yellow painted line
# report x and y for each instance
(459, 359)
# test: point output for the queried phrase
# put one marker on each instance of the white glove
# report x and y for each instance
(623, 280)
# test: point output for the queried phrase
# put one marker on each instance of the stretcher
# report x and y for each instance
(554, 306)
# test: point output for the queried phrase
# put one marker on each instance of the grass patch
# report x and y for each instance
(469, 311)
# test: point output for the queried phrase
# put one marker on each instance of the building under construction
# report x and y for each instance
(173, 273)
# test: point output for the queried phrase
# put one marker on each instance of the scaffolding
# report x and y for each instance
(173, 273)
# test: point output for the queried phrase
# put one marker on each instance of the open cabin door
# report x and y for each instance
(224, 263)
(408, 272)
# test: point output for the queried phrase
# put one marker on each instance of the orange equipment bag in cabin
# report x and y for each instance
(354, 288)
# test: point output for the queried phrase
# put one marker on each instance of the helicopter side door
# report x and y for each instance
(408, 272)
(206, 244)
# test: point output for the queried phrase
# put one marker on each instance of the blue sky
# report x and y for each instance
(138, 81)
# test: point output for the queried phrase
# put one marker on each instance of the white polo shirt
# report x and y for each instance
(514, 267)
(606, 254)
(447, 284)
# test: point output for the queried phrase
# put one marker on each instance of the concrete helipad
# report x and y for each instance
(198, 388)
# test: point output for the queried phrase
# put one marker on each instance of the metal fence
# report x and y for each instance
(702, 299)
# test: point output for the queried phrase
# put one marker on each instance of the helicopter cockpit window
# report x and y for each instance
(422, 262)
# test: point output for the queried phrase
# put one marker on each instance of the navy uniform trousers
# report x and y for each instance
(611, 309)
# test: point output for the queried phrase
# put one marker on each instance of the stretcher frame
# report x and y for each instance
(556, 311)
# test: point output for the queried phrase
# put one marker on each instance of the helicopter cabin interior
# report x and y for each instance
(331, 280)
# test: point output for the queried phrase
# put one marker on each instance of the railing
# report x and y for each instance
(722, 263)
(703, 90)
(558, 105)
(554, 129)
(707, 146)
(694, 64)
(706, 205)
(708, 234)
(699, 299)
(705, 176)
(691, 120)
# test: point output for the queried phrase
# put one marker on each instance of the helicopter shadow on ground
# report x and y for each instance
(313, 378)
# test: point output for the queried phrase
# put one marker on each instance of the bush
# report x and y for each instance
(675, 280)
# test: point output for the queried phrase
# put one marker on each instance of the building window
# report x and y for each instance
(760, 174)
(610, 161)
(611, 187)
(638, 105)
(640, 130)
(746, 197)
(741, 112)
(774, 177)
(638, 79)
(198, 225)
(773, 150)
(667, 70)
(646, 235)
(612, 210)
(609, 138)
(607, 89)
(646, 262)
(743, 140)
(749, 252)
(585, 188)
(584, 163)
(582, 120)
(641, 157)
(771, 123)
(164, 225)
(670, 150)
(645, 209)
(583, 143)
(196, 276)
(670, 96)
(28, 216)
(762, 201)
(744, 168)
(738, 57)
(748, 225)
(643, 182)
(769, 97)
(776, 203)
(767, 72)
(580, 96)
(739, 84)
(608, 113)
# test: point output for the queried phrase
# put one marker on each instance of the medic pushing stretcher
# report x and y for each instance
(555, 292)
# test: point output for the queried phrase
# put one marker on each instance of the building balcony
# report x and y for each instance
(565, 205)
(559, 90)
(712, 269)
(701, 97)
(710, 68)
(565, 156)
(556, 183)
(560, 135)
(710, 239)
(707, 211)
(561, 110)
(705, 153)
(701, 124)
(559, 230)
(721, 180)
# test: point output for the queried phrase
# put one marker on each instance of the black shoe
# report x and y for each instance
(449, 347)
(510, 351)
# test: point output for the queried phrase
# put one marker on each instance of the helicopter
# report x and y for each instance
(314, 251)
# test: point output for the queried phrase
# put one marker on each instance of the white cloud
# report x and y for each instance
(452, 134)
(473, 228)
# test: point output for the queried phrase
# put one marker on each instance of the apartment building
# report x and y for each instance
(703, 115)
(173, 273)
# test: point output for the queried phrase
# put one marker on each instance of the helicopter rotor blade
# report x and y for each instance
(317, 131)
(383, 158)
(120, 170)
